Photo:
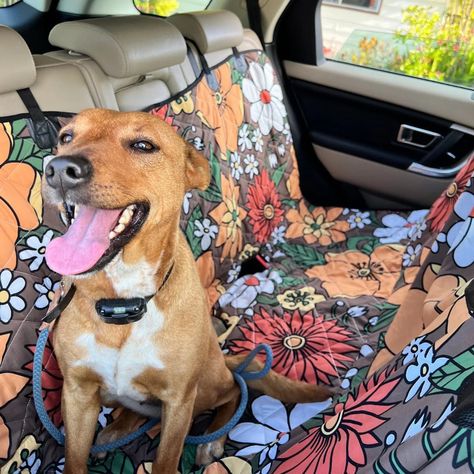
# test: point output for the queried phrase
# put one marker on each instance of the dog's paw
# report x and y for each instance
(209, 452)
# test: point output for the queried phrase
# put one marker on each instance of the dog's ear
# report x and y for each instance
(198, 175)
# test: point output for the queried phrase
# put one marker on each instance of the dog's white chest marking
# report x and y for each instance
(137, 280)
(119, 367)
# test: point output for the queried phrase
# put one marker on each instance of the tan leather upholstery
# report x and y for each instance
(17, 66)
(123, 46)
(210, 30)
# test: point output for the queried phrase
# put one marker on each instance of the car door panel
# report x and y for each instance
(398, 139)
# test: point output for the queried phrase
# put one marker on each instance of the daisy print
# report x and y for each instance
(10, 301)
(265, 97)
(36, 249)
(251, 166)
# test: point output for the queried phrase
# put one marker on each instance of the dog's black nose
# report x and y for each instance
(68, 171)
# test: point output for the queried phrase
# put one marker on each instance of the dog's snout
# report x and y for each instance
(68, 171)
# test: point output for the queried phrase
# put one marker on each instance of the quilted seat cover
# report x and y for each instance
(370, 302)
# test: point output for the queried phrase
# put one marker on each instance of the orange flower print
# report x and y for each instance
(353, 273)
(318, 226)
(293, 183)
(207, 275)
(229, 216)
(20, 199)
(10, 386)
(221, 110)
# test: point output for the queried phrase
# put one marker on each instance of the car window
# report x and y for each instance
(430, 39)
(7, 3)
(168, 7)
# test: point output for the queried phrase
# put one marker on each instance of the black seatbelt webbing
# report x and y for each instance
(255, 18)
(44, 132)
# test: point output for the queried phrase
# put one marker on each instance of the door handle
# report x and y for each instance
(417, 137)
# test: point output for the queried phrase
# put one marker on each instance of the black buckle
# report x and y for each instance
(120, 310)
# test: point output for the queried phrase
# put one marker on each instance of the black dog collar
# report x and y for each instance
(126, 310)
(110, 310)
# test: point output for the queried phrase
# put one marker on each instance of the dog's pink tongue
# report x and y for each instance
(84, 243)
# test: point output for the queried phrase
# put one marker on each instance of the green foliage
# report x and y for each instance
(193, 241)
(117, 462)
(430, 44)
(213, 192)
(440, 46)
(450, 377)
(303, 255)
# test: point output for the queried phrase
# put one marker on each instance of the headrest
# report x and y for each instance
(18, 67)
(210, 30)
(123, 46)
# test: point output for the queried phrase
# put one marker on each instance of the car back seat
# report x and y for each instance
(129, 62)
(325, 299)
(326, 261)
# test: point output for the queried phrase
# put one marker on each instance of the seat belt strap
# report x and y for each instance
(255, 18)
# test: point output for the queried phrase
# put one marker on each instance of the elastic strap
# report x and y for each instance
(43, 131)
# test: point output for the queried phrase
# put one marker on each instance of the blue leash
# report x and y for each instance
(240, 376)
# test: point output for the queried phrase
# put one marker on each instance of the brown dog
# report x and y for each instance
(123, 176)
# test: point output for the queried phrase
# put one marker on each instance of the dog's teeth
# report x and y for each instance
(72, 220)
(125, 217)
(119, 228)
(76, 210)
(112, 235)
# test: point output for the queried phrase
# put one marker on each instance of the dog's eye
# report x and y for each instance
(143, 146)
(65, 138)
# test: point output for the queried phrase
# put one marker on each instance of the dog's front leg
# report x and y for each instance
(176, 415)
(80, 410)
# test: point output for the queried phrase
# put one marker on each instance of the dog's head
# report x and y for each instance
(115, 175)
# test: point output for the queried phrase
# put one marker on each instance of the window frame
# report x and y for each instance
(339, 4)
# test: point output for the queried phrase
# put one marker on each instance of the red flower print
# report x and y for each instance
(305, 347)
(51, 380)
(264, 207)
(444, 205)
(338, 446)
(162, 112)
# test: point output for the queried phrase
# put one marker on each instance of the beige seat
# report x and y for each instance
(56, 86)
(215, 33)
(129, 62)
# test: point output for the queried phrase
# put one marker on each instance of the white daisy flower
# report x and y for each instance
(235, 167)
(244, 141)
(9, 300)
(251, 166)
(265, 97)
(206, 231)
(257, 140)
(36, 250)
(46, 292)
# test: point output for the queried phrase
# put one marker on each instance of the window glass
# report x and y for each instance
(7, 3)
(169, 7)
(430, 39)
